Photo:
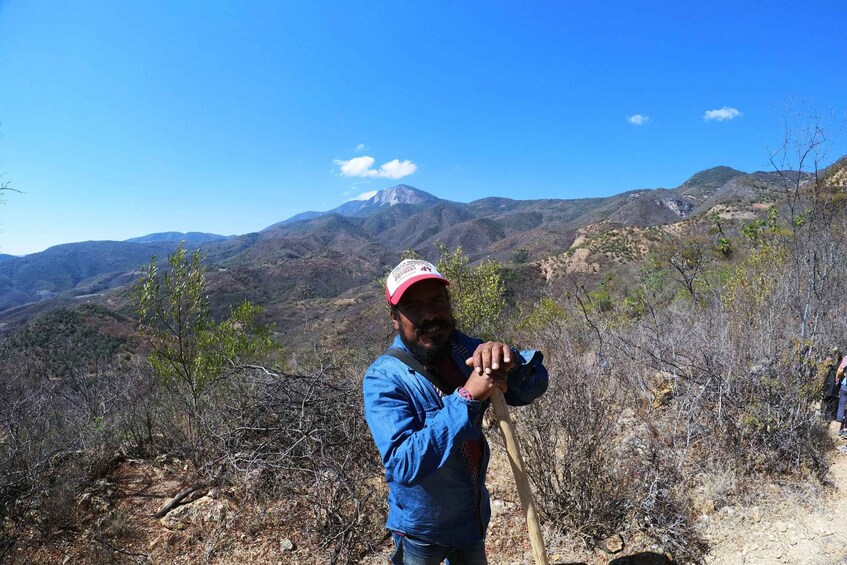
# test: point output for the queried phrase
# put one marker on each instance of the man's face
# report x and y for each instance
(424, 320)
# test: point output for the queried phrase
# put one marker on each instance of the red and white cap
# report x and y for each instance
(407, 273)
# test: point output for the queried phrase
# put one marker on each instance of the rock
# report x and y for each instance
(612, 544)
(497, 507)
(286, 545)
(204, 510)
(94, 502)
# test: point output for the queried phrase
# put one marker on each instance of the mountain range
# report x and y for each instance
(314, 258)
(190, 238)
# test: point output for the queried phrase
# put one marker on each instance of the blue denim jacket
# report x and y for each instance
(419, 435)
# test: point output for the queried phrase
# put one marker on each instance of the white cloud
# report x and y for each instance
(638, 119)
(397, 169)
(366, 195)
(725, 113)
(362, 167)
(361, 147)
(357, 166)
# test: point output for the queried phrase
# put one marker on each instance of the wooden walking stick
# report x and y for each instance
(516, 461)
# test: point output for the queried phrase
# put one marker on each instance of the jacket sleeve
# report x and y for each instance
(528, 379)
(412, 445)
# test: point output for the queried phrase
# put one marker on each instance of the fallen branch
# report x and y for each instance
(181, 496)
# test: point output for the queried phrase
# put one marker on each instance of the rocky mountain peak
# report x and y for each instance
(400, 194)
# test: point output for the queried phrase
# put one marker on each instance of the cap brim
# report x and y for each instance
(398, 294)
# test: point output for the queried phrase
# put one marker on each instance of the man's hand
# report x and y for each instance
(491, 363)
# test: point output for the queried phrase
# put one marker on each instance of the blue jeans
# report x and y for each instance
(416, 552)
(842, 405)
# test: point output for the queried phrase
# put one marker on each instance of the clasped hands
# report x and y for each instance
(491, 364)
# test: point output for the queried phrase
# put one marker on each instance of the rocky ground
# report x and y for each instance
(784, 525)
(801, 528)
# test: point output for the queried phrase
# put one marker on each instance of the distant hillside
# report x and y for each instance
(4, 257)
(192, 238)
(80, 268)
(299, 268)
(713, 178)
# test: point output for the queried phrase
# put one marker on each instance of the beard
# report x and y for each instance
(429, 354)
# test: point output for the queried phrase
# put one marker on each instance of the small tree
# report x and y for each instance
(477, 293)
(192, 353)
(689, 260)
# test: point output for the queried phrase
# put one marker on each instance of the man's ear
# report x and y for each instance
(395, 319)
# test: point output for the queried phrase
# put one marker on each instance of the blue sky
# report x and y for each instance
(126, 118)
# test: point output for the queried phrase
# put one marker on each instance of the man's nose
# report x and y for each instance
(428, 314)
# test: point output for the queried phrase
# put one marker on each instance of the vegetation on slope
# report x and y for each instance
(686, 374)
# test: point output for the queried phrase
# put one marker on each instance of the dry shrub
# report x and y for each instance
(599, 461)
(569, 437)
(61, 431)
(297, 437)
(269, 435)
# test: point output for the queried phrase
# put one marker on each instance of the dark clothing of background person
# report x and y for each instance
(829, 404)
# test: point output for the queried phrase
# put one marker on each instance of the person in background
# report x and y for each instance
(424, 401)
(841, 382)
(829, 392)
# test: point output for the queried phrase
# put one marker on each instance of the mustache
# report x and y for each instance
(431, 324)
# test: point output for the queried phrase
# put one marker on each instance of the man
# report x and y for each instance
(428, 432)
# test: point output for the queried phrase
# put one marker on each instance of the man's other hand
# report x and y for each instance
(491, 363)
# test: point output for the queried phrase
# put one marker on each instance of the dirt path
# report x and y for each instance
(807, 530)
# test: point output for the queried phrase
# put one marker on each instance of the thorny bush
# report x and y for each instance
(302, 437)
(597, 464)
